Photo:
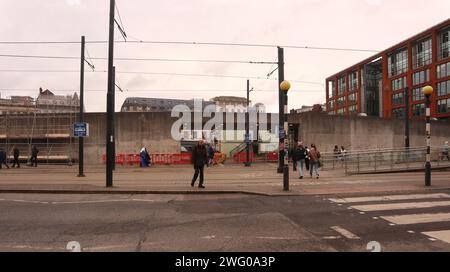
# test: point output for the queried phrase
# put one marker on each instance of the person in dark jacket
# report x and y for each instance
(34, 154)
(199, 160)
(16, 154)
(299, 157)
(3, 158)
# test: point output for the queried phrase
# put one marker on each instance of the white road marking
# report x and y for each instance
(24, 201)
(411, 231)
(92, 201)
(443, 235)
(277, 238)
(418, 218)
(400, 206)
(388, 198)
(77, 202)
(345, 233)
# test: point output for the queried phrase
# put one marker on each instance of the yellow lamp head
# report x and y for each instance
(427, 90)
(285, 86)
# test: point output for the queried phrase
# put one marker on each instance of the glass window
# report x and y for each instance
(418, 109)
(444, 44)
(398, 113)
(331, 89)
(341, 86)
(341, 101)
(352, 98)
(443, 106)
(398, 63)
(352, 109)
(443, 70)
(443, 88)
(353, 80)
(331, 105)
(399, 84)
(398, 99)
(341, 111)
(421, 77)
(422, 53)
(417, 94)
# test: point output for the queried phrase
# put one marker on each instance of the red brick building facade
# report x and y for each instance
(377, 85)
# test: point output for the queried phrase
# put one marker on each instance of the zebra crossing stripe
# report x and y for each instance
(443, 235)
(400, 206)
(417, 218)
(389, 198)
(345, 233)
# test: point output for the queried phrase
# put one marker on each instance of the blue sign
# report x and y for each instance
(81, 130)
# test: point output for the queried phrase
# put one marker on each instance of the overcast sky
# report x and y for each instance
(362, 24)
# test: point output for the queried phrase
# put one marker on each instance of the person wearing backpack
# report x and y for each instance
(299, 157)
(314, 156)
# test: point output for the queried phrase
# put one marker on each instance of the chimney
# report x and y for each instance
(40, 90)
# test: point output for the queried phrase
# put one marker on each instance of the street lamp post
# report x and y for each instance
(427, 91)
(247, 127)
(281, 103)
(285, 86)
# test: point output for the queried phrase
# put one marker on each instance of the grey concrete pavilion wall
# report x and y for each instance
(364, 133)
(133, 131)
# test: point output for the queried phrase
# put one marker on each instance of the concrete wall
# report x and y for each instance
(362, 133)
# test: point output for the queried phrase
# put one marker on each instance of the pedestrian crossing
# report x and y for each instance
(414, 210)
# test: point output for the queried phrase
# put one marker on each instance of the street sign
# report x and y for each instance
(81, 130)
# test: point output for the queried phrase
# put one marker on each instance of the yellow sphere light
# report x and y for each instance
(285, 86)
(427, 90)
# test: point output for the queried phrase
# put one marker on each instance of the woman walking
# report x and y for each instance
(314, 156)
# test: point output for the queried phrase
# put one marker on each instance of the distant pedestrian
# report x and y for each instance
(34, 156)
(3, 158)
(16, 154)
(199, 160)
(314, 156)
(336, 152)
(445, 151)
(299, 157)
(307, 164)
(145, 157)
(211, 153)
(343, 152)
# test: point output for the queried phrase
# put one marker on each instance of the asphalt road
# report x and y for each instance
(224, 223)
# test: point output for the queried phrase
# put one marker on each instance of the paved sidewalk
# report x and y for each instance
(258, 179)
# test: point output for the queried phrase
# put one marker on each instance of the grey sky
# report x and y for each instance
(364, 24)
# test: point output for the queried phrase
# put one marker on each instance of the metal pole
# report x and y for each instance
(428, 135)
(110, 112)
(114, 118)
(286, 145)
(281, 103)
(247, 126)
(81, 119)
(407, 118)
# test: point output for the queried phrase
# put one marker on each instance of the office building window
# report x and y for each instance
(341, 101)
(444, 44)
(331, 89)
(398, 113)
(443, 105)
(341, 86)
(331, 105)
(443, 88)
(399, 84)
(353, 80)
(418, 109)
(422, 53)
(398, 63)
(398, 99)
(417, 94)
(421, 77)
(341, 111)
(352, 98)
(352, 109)
(443, 70)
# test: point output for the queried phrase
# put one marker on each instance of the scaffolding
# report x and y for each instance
(50, 131)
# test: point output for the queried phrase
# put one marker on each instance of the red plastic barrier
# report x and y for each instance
(272, 157)
(135, 159)
(242, 157)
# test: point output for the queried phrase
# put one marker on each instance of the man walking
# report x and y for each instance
(199, 159)
(299, 156)
(16, 154)
(34, 154)
(314, 156)
(445, 151)
(3, 158)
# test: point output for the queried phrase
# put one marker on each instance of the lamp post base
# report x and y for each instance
(286, 178)
(428, 174)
